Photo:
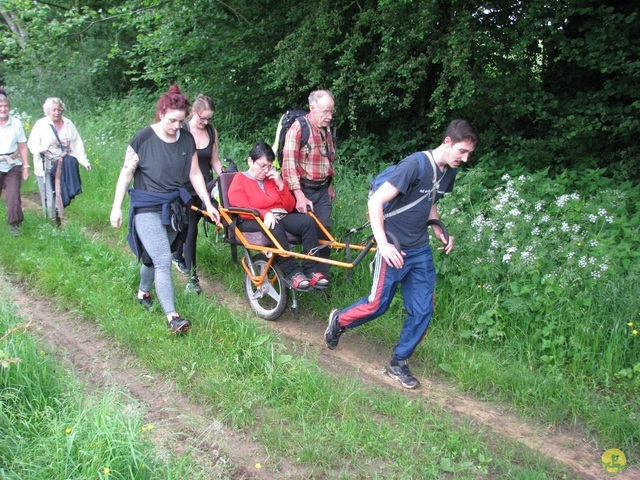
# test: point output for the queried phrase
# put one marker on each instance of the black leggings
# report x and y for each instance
(296, 224)
(187, 250)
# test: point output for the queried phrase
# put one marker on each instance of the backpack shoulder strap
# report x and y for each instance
(434, 189)
(305, 131)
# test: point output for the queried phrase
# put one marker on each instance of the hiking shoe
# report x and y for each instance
(180, 265)
(146, 301)
(193, 285)
(318, 280)
(179, 325)
(13, 229)
(333, 331)
(399, 370)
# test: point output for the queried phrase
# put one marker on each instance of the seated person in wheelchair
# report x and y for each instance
(262, 188)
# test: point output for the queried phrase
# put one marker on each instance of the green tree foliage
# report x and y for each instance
(58, 49)
(548, 82)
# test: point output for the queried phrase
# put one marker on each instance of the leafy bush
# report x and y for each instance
(546, 263)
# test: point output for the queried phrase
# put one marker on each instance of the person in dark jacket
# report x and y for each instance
(160, 160)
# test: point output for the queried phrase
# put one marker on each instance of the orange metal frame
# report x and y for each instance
(277, 249)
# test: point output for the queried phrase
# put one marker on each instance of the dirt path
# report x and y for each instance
(182, 424)
(179, 423)
(92, 356)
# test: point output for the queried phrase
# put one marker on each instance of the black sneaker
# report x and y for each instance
(180, 265)
(179, 325)
(399, 370)
(146, 301)
(333, 331)
(194, 285)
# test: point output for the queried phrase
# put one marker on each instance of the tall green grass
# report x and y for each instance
(51, 428)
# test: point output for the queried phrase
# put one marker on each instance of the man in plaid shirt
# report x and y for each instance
(308, 170)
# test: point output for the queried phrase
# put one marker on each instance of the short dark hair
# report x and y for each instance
(261, 149)
(461, 130)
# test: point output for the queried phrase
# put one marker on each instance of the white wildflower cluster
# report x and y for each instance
(575, 228)
(508, 196)
(514, 212)
(539, 206)
(527, 257)
(565, 227)
(602, 213)
(528, 217)
(593, 243)
(562, 200)
(570, 255)
(480, 223)
(510, 251)
(505, 177)
(509, 225)
(535, 232)
(545, 219)
(522, 178)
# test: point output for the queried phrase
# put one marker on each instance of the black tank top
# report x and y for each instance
(204, 155)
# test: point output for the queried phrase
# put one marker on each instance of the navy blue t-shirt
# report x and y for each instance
(410, 226)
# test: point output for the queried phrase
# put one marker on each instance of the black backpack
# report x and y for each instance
(289, 118)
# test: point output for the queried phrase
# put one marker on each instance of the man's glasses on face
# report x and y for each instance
(204, 119)
(264, 166)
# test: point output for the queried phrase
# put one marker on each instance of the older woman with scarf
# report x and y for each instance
(53, 137)
(160, 159)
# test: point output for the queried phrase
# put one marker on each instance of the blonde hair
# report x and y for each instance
(202, 102)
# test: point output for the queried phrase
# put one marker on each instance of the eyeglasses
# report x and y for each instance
(327, 112)
(266, 166)
(204, 119)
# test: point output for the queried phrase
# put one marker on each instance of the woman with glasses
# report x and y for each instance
(262, 188)
(206, 137)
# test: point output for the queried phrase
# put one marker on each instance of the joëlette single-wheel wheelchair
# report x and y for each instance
(265, 286)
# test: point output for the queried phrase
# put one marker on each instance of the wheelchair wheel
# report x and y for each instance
(270, 299)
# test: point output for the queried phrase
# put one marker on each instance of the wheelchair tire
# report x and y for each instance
(270, 299)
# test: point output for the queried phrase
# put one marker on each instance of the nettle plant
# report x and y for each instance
(544, 264)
